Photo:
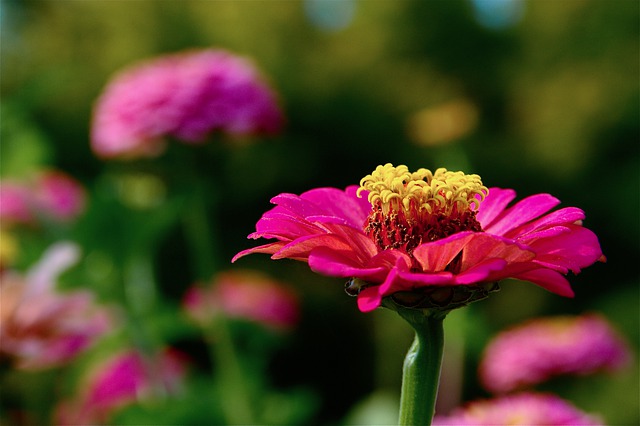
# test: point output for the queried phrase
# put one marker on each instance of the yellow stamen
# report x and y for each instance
(442, 191)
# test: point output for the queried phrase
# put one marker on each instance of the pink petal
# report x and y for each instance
(435, 256)
(486, 246)
(522, 212)
(270, 248)
(549, 280)
(338, 203)
(494, 204)
(339, 264)
(565, 216)
(300, 248)
(369, 299)
(481, 271)
(574, 250)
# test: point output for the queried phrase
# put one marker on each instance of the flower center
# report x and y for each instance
(409, 209)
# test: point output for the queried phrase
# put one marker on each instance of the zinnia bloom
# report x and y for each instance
(49, 195)
(42, 328)
(123, 379)
(185, 95)
(523, 409)
(547, 347)
(244, 295)
(428, 239)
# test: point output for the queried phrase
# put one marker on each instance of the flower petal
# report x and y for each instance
(549, 280)
(565, 216)
(486, 246)
(522, 212)
(300, 248)
(436, 255)
(270, 248)
(334, 263)
(494, 204)
(574, 250)
(481, 271)
(342, 204)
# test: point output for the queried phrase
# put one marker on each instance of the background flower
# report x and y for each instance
(522, 409)
(186, 95)
(246, 295)
(543, 348)
(123, 379)
(41, 327)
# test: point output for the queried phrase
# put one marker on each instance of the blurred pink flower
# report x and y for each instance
(15, 200)
(187, 95)
(49, 195)
(246, 295)
(40, 327)
(124, 378)
(436, 237)
(547, 347)
(524, 409)
(59, 196)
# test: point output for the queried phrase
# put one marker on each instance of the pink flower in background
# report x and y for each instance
(123, 379)
(49, 195)
(40, 327)
(59, 196)
(15, 202)
(547, 347)
(525, 409)
(245, 295)
(186, 95)
(434, 236)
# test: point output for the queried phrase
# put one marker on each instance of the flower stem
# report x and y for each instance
(421, 370)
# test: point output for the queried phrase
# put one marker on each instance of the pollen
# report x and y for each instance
(409, 208)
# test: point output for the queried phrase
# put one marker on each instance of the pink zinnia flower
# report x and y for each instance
(428, 239)
(59, 196)
(523, 409)
(15, 202)
(42, 328)
(245, 295)
(547, 347)
(50, 195)
(185, 95)
(123, 379)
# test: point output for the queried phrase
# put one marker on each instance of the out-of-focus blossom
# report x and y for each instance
(50, 195)
(546, 347)
(15, 202)
(59, 196)
(123, 379)
(187, 95)
(526, 409)
(245, 295)
(40, 327)
(427, 239)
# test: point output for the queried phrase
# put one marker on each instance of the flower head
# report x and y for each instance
(427, 239)
(186, 95)
(547, 347)
(50, 195)
(523, 409)
(42, 328)
(245, 295)
(123, 379)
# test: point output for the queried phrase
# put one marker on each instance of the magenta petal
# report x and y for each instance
(565, 216)
(522, 212)
(282, 226)
(301, 247)
(480, 272)
(549, 280)
(486, 246)
(369, 299)
(339, 264)
(435, 256)
(266, 248)
(574, 250)
(343, 204)
(494, 204)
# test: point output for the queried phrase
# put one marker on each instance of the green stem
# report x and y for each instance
(421, 370)
(235, 399)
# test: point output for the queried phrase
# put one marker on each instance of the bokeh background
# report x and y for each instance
(538, 96)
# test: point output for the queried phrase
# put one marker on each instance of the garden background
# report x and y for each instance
(538, 96)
